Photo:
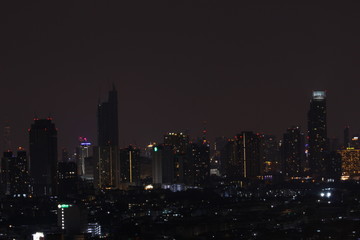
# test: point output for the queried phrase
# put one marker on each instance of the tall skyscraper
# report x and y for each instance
(106, 154)
(293, 152)
(108, 129)
(317, 134)
(43, 156)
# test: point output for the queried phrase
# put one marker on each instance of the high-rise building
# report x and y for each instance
(178, 141)
(270, 154)
(130, 165)
(317, 134)
(108, 130)
(350, 162)
(197, 164)
(163, 164)
(83, 151)
(293, 152)
(43, 156)
(107, 170)
(106, 154)
(242, 158)
(346, 137)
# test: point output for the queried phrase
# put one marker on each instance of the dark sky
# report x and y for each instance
(175, 64)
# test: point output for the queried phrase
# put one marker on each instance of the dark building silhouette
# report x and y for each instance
(108, 129)
(293, 152)
(130, 165)
(43, 156)
(346, 137)
(106, 154)
(270, 154)
(67, 178)
(242, 157)
(197, 164)
(317, 134)
(163, 159)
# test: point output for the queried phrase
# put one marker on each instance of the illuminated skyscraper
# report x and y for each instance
(43, 156)
(83, 151)
(317, 134)
(106, 154)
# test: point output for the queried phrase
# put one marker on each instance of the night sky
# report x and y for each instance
(175, 64)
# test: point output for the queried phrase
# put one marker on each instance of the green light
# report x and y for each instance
(155, 149)
(64, 205)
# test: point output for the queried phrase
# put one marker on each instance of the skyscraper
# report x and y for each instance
(82, 152)
(317, 134)
(108, 130)
(106, 154)
(293, 152)
(43, 156)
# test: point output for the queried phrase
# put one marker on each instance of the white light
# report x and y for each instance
(38, 235)
(322, 194)
(328, 194)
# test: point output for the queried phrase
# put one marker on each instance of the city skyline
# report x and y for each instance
(239, 67)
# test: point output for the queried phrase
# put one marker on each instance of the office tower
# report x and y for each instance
(43, 156)
(83, 151)
(293, 152)
(67, 178)
(106, 154)
(350, 163)
(197, 164)
(317, 134)
(130, 165)
(346, 137)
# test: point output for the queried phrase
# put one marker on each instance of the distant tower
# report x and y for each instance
(346, 137)
(108, 130)
(82, 152)
(43, 156)
(317, 134)
(7, 138)
(106, 154)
